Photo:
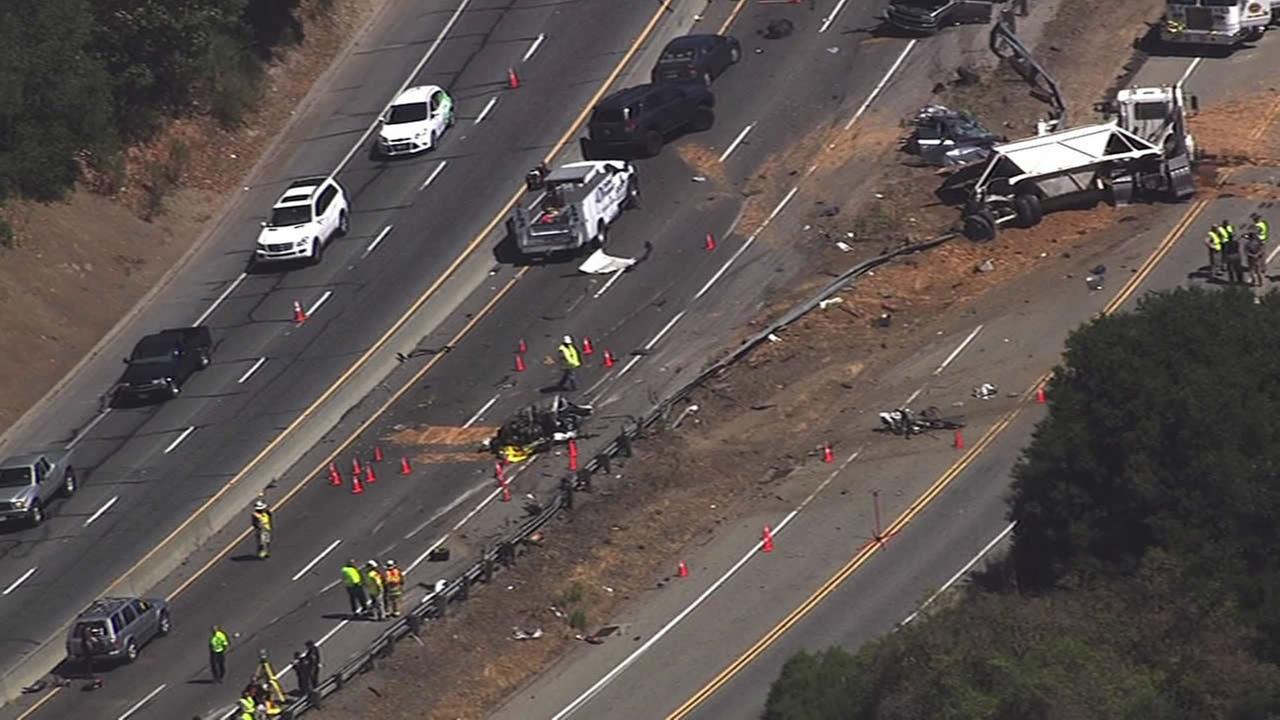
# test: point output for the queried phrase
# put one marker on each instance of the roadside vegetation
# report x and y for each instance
(81, 80)
(1143, 579)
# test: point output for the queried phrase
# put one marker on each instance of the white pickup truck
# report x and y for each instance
(572, 207)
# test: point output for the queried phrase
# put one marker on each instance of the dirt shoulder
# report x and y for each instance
(76, 267)
(763, 413)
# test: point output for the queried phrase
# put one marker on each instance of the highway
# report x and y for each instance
(713, 645)
(416, 273)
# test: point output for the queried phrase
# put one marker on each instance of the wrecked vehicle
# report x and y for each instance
(926, 17)
(946, 137)
(535, 429)
(906, 423)
(571, 207)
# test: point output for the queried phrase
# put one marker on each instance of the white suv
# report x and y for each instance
(416, 120)
(310, 213)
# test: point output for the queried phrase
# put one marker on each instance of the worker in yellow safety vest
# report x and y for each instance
(570, 361)
(373, 588)
(1261, 227)
(1214, 243)
(248, 708)
(218, 644)
(262, 528)
(353, 581)
(393, 582)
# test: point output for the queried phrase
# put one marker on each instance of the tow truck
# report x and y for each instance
(1221, 23)
(572, 207)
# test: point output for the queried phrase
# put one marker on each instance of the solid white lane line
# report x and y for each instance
(912, 397)
(481, 411)
(234, 284)
(1190, 69)
(750, 241)
(961, 573)
(959, 349)
(382, 235)
(142, 702)
(537, 43)
(249, 373)
(178, 440)
(1272, 255)
(883, 81)
(613, 674)
(826, 22)
(413, 74)
(85, 430)
(736, 142)
(323, 299)
(432, 177)
(98, 513)
(665, 329)
(488, 107)
(608, 284)
(332, 632)
(23, 578)
(453, 505)
(307, 568)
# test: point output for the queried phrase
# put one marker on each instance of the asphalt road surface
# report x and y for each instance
(151, 473)
(712, 646)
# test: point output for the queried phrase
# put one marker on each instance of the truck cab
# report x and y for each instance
(1156, 114)
(28, 482)
(1221, 23)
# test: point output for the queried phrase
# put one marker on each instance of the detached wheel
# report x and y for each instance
(69, 483)
(652, 143)
(703, 119)
(602, 236)
(979, 227)
(1028, 209)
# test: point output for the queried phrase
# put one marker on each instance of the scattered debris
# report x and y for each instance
(985, 266)
(1094, 282)
(985, 391)
(535, 429)
(597, 637)
(518, 634)
(773, 338)
(699, 178)
(778, 29)
(945, 137)
(830, 212)
(824, 304)
(844, 247)
(884, 321)
(833, 49)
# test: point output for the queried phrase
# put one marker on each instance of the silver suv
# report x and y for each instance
(117, 628)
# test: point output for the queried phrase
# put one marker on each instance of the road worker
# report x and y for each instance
(1214, 243)
(373, 589)
(1261, 227)
(302, 669)
(248, 708)
(354, 583)
(218, 644)
(393, 583)
(1233, 257)
(312, 654)
(570, 361)
(262, 520)
(1256, 257)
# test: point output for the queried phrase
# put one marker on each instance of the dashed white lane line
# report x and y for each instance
(487, 109)
(609, 283)
(249, 373)
(480, 413)
(98, 513)
(657, 637)
(961, 573)
(432, 177)
(214, 306)
(956, 353)
(316, 560)
(537, 43)
(750, 241)
(736, 142)
(382, 235)
(142, 702)
(84, 431)
(21, 579)
(323, 299)
(883, 81)
(178, 440)
(826, 22)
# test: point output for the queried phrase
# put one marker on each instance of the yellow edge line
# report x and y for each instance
(865, 553)
(377, 346)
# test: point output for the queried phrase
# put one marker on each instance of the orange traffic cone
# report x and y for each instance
(404, 466)
(710, 243)
(335, 478)
(513, 80)
(519, 362)
(959, 441)
(499, 473)
(766, 540)
(299, 315)
(357, 487)
(586, 346)
(1040, 398)
(608, 359)
(573, 455)
(828, 456)
(506, 490)
(369, 476)
(521, 347)
(377, 453)
(682, 570)
(356, 469)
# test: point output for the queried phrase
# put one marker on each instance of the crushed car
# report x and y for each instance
(536, 429)
(945, 137)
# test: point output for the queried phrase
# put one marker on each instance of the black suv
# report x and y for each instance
(643, 117)
(161, 363)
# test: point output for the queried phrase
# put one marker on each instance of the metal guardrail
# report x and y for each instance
(504, 553)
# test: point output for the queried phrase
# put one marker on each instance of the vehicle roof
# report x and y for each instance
(21, 460)
(691, 41)
(415, 94)
(575, 172)
(300, 191)
(104, 607)
(626, 96)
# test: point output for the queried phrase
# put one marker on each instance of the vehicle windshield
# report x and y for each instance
(15, 477)
(609, 115)
(1149, 111)
(1220, 3)
(291, 215)
(407, 113)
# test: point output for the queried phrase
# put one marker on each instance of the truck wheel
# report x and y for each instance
(587, 151)
(652, 143)
(1028, 209)
(69, 483)
(703, 119)
(344, 224)
(632, 201)
(130, 651)
(979, 227)
(602, 236)
(204, 359)
(165, 626)
(317, 250)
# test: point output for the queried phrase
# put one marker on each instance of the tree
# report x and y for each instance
(1163, 434)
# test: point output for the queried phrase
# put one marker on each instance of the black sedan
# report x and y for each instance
(696, 58)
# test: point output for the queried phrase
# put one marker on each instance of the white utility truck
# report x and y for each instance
(572, 207)
(1222, 23)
